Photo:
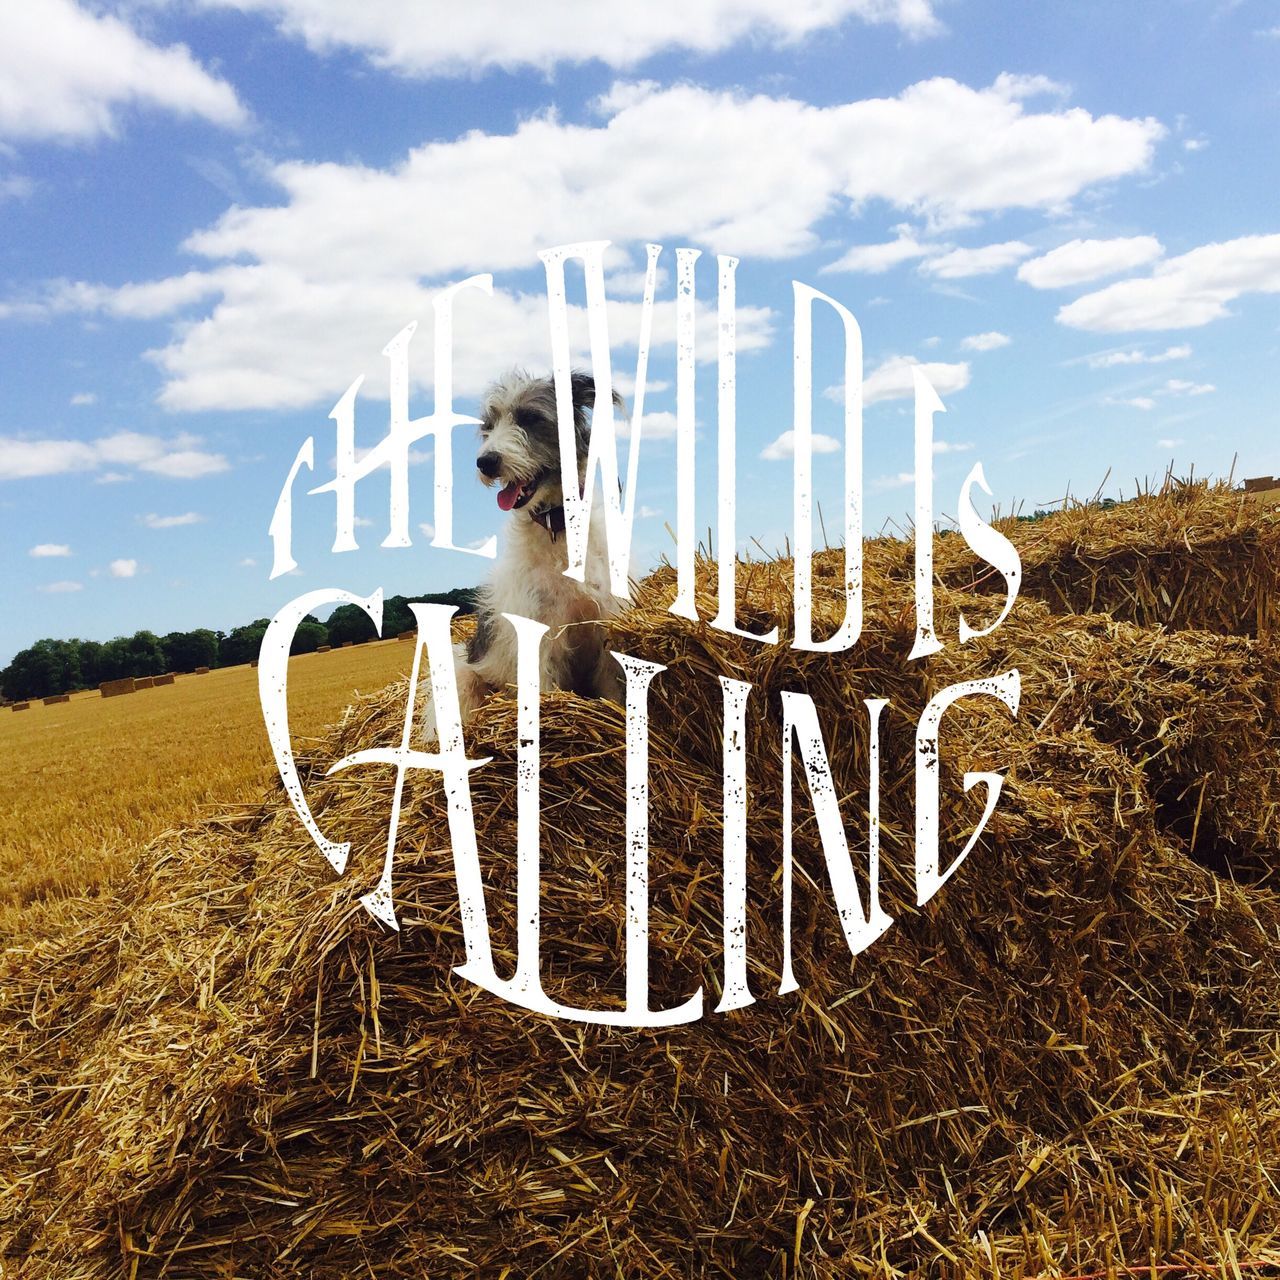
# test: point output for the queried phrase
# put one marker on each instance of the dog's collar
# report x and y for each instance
(552, 520)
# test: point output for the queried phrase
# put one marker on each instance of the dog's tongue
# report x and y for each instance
(507, 497)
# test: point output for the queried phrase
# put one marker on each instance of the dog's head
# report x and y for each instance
(520, 442)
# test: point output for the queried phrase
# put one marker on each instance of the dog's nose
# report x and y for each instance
(488, 463)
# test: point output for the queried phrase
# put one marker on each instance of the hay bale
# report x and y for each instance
(1064, 1062)
(114, 688)
(143, 682)
(324, 648)
(1200, 556)
(202, 671)
(167, 678)
(407, 635)
(347, 644)
(21, 706)
(56, 698)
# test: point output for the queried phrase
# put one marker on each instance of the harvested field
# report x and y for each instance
(90, 781)
(1063, 1064)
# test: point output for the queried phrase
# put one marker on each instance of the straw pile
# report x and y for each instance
(1064, 1063)
(114, 688)
(1200, 555)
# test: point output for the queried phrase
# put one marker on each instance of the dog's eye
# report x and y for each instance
(527, 419)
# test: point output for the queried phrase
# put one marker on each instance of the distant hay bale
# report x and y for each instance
(114, 688)
(347, 644)
(54, 698)
(167, 678)
(202, 671)
(253, 662)
(21, 706)
(323, 648)
(407, 635)
(1062, 1064)
(143, 682)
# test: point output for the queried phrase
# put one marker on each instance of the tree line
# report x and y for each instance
(63, 666)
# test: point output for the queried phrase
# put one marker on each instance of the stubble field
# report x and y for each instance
(87, 783)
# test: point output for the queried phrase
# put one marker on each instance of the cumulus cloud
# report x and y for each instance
(1109, 359)
(1079, 261)
(153, 521)
(1185, 292)
(67, 74)
(990, 341)
(123, 568)
(283, 313)
(958, 264)
(893, 380)
(60, 588)
(26, 459)
(784, 446)
(81, 399)
(873, 259)
(45, 550)
(1181, 387)
(437, 37)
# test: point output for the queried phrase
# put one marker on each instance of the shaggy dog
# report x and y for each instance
(520, 453)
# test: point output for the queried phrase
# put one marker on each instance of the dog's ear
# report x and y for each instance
(584, 392)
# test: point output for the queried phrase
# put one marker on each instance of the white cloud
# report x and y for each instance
(294, 289)
(985, 341)
(959, 264)
(67, 74)
(899, 480)
(82, 398)
(123, 568)
(248, 563)
(1169, 444)
(154, 521)
(27, 459)
(15, 186)
(876, 258)
(44, 550)
(1185, 292)
(427, 530)
(647, 513)
(1109, 359)
(1136, 402)
(1079, 261)
(659, 424)
(947, 446)
(60, 588)
(436, 37)
(187, 464)
(785, 446)
(893, 379)
(1181, 387)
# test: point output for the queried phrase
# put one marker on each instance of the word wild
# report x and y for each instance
(800, 729)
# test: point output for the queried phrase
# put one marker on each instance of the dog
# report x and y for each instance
(519, 455)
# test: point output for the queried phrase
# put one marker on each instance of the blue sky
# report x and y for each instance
(215, 213)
